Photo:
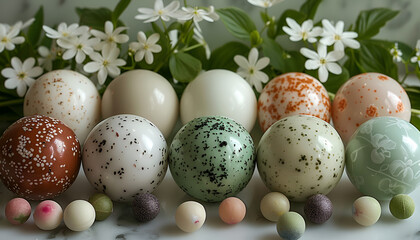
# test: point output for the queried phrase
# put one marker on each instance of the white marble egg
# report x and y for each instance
(300, 156)
(67, 96)
(219, 92)
(125, 155)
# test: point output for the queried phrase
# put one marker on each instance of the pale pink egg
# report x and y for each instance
(366, 96)
(17, 211)
(232, 210)
(292, 94)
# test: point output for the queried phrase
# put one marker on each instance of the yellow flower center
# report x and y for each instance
(323, 61)
(80, 46)
(337, 37)
(111, 39)
(105, 63)
(21, 75)
(4, 40)
(160, 12)
(304, 35)
(251, 71)
(146, 46)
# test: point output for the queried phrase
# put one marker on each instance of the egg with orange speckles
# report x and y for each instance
(366, 96)
(39, 157)
(292, 94)
(67, 96)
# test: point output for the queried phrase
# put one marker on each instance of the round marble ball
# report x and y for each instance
(300, 156)
(143, 93)
(291, 226)
(366, 211)
(232, 210)
(40, 157)
(366, 96)
(190, 216)
(48, 215)
(125, 155)
(145, 207)
(382, 157)
(402, 206)
(273, 205)
(212, 158)
(103, 206)
(17, 211)
(318, 208)
(292, 94)
(68, 96)
(79, 215)
(219, 92)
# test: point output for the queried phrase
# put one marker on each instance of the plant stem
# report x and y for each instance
(406, 73)
(415, 111)
(185, 3)
(331, 95)
(164, 26)
(192, 47)
(11, 102)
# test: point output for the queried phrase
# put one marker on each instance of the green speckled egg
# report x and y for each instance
(212, 158)
(383, 157)
(300, 156)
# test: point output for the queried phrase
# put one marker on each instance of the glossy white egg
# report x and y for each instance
(143, 93)
(125, 155)
(219, 93)
(67, 96)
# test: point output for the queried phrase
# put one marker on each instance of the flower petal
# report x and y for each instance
(241, 61)
(102, 74)
(293, 24)
(253, 56)
(113, 71)
(309, 53)
(334, 68)
(351, 43)
(34, 72)
(9, 73)
(21, 88)
(11, 83)
(323, 73)
(92, 67)
(262, 63)
(312, 64)
(28, 64)
(149, 57)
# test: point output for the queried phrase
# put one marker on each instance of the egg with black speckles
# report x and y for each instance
(67, 96)
(212, 158)
(39, 157)
(125, 155)
(300, 156)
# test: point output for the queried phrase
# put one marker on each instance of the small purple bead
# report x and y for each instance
(145, 207)
(318, 208)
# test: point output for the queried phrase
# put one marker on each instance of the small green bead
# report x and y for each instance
(103, 205)
(291, 226)
(402, 206)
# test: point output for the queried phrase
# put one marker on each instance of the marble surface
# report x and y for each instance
(121, 225)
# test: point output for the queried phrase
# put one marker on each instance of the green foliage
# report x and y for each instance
(299, 17)
(369, 22)
(222, 57)
(376, 58)
(119, 9)
(35, 30)
(281, 60)
(309, 8)
(237, 22)
(184, 67)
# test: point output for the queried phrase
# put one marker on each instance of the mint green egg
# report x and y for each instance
(383, 157)
(212, 158)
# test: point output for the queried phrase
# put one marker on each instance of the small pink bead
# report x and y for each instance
(48, 215)
(18, 211)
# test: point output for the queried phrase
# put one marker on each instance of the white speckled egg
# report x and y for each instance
(219, 93)
(366, 96)
(300, 156)
(143, 93)
(125, 155)
(67, 96)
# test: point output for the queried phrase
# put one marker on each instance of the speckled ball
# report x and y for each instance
(318, 208)
(145, 207)
(366, 211)
(291, 226)
(39, 157)
(103, 206)
(68, 96)
(402, 206)
(17, 211)
(383, 157)
(212, 158)
(125, 155)
(48, 215)
(300, 156)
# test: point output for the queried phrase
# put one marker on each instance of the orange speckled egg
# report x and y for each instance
(366, 96)
(292, 94)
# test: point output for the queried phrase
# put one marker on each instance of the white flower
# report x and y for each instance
(250, 68)
(396, 53)
(21, 75)
(304, 32)
(416, 59)
(9, 37)
(159, 11)
(417, 46)
(264, 3)
(64, 33)
(322, 61)
(47, 57)
(110, 36)
(196, 14)
(105, 63)
(200, 39)
(212, 13)
(335, 35)
(79, 47)
(145, 47)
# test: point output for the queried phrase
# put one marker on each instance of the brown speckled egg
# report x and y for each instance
(39, 157)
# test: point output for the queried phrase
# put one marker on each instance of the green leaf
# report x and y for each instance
(237, 22)
(184, 67)
(351, 64)
(222, 57)
(281, 60)
(375, 58)
(335, 81)
(414, 95)
(406, 50)
(415, 120)
(369, 22)
(119, 9)
(297, 16)
(34, 31)
(95, 18)
(310, 7)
